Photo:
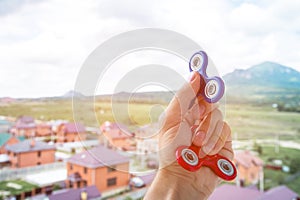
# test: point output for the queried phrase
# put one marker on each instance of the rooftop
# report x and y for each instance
(279, 193)
(115, 130)
(25, 119)
(233, 192)
(75, 194)
(29, 145)
(74, 127)
(98, 157)
(4, 137)
(25, 122)
(48, 177)
(247, 159)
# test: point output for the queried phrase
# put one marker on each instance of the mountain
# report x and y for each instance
(267, 81)
(72, 94)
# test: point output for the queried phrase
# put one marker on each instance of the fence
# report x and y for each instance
(11, 174)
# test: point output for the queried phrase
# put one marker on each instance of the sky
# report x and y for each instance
(43, 43)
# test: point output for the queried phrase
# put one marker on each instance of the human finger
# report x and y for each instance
(218, 141)
(180, 105)
(207, 126)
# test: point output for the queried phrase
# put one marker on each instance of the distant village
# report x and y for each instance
(60, 160)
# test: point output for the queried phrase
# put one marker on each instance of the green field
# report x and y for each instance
(262, 122)
(274, 178)
(247, 121)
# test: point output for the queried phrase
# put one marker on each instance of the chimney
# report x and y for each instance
(32, 143)
(83, 195)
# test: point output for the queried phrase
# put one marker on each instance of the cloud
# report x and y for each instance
(44, 43)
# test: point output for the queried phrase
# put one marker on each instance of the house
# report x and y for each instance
(43, 129)
(249, 167)
(100, 166)
(70, 132)
(8, 139)
(24, 126)
(30, 153)
(117, 136)
(147, 139)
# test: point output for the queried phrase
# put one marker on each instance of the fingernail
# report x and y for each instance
(199, 137)
(201, 109)
(202, 154)
(193, 77)
(207, 148)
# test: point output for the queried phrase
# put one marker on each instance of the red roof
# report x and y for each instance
(233, 192)
(98, 157)
(247, 159)
(74, 128)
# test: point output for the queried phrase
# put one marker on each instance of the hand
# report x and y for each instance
(212, 133)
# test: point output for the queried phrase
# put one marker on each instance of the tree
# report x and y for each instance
(294, 166)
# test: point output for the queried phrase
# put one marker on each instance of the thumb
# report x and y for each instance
(183, 100)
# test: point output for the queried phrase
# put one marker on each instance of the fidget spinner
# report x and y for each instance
(188, 158)
(212, 92)
(214, 86)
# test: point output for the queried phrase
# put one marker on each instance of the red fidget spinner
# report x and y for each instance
(188, 157)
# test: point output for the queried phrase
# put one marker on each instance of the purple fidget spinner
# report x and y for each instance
(214, 86)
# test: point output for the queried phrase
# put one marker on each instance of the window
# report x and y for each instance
(39, 154)
(111, 169)
(85, 170)
(111, 181)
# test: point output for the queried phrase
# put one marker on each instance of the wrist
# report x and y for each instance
(173, 182)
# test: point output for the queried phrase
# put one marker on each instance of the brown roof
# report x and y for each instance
(98, 157)
(26, 146)
(247, 159)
